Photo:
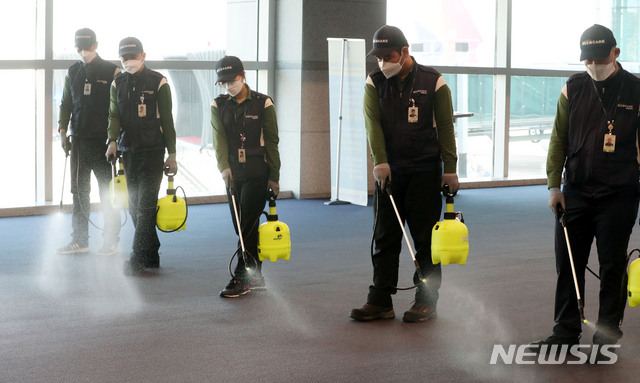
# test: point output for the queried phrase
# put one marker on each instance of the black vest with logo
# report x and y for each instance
(588, 167)
(90, 113)
(139, 133)
(249, 126)
(411, 146)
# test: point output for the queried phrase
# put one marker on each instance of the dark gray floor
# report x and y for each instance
(78, 319)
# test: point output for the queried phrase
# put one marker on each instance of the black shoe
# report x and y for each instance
(257, 283)
(236, 288)
(419, 312)
(553, 340)
(133, 268)
(372, 312)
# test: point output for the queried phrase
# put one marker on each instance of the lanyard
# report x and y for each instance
(610, 121)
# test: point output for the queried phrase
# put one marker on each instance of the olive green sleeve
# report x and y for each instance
(166, 118)
(443, 114)
(558, 144)
(271, 140)
(373, 124)
(65, 106)
(220, 142)
(113, 129)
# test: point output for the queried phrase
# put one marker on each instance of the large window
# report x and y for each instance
(447, 32)
(183, 40)
(507, 69)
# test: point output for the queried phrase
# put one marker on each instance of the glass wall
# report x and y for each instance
(183, 40)
(18, 156)
(170, 30)
(492, 58)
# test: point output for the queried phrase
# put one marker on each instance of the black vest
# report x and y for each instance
(411, 147)
(588, 167)
(90, 113)
(249, 126)
(139, 133)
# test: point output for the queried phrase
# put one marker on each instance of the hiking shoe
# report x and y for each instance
(73, 248)
(372, 312)
(108, 249)
(132, 267)
(236, 288)
(553, 340)
(419, 312)
(257, 283)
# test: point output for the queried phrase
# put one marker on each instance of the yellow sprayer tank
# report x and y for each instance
(633, 285)
(274, 239)
(449, 238)
(172, 211)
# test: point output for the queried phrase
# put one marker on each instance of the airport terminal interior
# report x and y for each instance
(78, 318)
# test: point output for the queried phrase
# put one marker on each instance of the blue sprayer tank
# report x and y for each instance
(274, 239)
(450, 237)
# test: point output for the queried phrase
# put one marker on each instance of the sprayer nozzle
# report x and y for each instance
(585, 321)
(424, 280)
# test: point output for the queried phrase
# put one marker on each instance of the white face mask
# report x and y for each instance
(601, 72)
(87, 56)
(132, 66)
(234, 88)
(390, 69)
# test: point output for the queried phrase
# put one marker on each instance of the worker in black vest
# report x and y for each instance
(593, 156)
(141, 123)
(245, 138)
(409, 121)
(85, 104)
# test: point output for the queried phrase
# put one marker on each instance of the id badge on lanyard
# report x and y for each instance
(142, 107)
(412, 115)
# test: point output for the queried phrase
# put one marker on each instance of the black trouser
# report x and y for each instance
(417, 197)
(250, 196)
(610, 220)
(143, 171)
(87, 154)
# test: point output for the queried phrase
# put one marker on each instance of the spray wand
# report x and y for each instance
(64, 176)
(404, 232)
(235, 211)
(562, 216)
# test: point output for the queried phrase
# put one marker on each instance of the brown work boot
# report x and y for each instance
(372, 312)
(419, 312)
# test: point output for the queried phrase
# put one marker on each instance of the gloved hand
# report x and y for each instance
(64, 141)
(275, 186)
(556, 197)
(450, 179)
(171, 165)
(227, 177)
(381, 172)
(111, 151)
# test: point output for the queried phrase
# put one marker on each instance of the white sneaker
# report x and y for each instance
(73, 248)
(108, 249)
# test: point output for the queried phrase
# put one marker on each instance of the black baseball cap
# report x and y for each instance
(228, 67)
(386, 40)
(596, 42)
(130, 46)
(85, 38)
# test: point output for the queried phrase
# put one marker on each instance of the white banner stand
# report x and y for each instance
(347, 75)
